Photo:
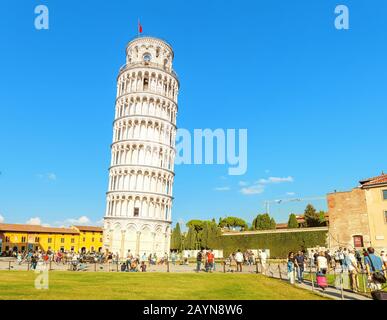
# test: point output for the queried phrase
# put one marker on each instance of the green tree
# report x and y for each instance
(273, 224)
(176, 238)
(322, 220)
(232, 223)
(263, 222)
(190, 239)
(292, 222)
(312, 218)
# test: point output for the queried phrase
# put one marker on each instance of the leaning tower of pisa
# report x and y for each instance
(139, 197)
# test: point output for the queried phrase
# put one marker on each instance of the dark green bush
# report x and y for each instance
(279, 243)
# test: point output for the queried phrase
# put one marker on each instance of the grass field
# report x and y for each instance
(165, 286)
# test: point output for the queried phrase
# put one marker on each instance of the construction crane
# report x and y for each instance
(279, 201)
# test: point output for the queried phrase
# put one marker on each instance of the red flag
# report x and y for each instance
(139, 27)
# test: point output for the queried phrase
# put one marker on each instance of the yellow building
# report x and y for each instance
(358, 218)
(21, 237)
(90, 238)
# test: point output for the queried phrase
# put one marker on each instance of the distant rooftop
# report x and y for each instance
(382, 179)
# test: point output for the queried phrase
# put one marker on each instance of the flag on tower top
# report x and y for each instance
(139, 27)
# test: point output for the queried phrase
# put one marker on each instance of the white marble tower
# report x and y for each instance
(139, 197)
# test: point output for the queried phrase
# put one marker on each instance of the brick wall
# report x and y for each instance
(347, 217)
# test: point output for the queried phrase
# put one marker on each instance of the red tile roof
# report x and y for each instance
(35, 229)
(89, 228)
(382, 179)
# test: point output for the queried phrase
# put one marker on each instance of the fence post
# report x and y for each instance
(117, 265)
(28, 265)
(341, 285)
(311, 277)
(256, 266)
(9, 265)
(95, 266)
(50, 266)
(279, 270)
(167, 265)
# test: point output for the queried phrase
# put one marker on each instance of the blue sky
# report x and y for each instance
(313, 99)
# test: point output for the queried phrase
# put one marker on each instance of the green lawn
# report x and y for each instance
(168, 286)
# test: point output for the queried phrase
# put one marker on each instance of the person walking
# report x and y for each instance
(291, 267)
(239, 260)
(199, 258)
(300, 265)
(353, 270)
(375, 270)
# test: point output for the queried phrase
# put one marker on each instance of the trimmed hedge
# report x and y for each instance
(280, 244)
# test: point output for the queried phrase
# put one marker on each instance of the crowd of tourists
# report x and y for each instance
(343, 260)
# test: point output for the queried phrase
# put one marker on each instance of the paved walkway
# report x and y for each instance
(329, 292)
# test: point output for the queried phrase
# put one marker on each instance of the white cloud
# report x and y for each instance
(51, 176)
(222, 189)
(99, 222)
(45, 225)
(34, 221)
(255, 189)
(81, 220)
(1, 219)
(275, 180)
(243, 183)
(290, 193)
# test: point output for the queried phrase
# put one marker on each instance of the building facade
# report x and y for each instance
(139, 197)
(24, 237)
(358, 218)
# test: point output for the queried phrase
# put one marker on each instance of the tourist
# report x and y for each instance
(353, 270)
(358, 260)
(345, 260)
(210, 261)
(34, 261)
(383, 255)
(19, 258)
(263, 258)
(251, 258)
(173, 257)
(290, 267)
(375, 269)
(322, 263)
(300, 266)
(327, 255)
(311, 258)
(199, 258)
(143, 266)
(239, 260)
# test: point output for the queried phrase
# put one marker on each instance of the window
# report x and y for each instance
(23, 239)
(384, 194)
(23, 248)
(62, 240)
(37, 239)
(146, 83)
(147, 57)
(6, 239)
(358, 241)
(72, 248)
(49, 240)
(83, 239)
(100, 239)
(136, 212)
(72, 240)
(385, 216)
(92, 239)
